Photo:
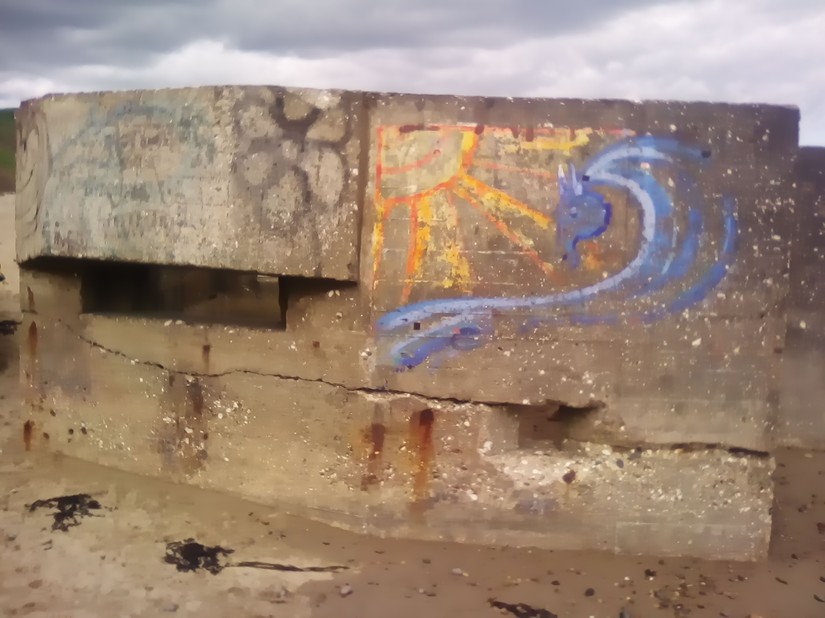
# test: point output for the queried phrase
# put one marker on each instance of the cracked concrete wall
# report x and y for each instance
(803, 373)
(484, 274)
(678, 353)
(271, 173)
(466, 285)
(392, 464)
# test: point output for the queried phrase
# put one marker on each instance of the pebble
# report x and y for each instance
(169, 606)
(281, 595)
(345, 590)
(457, 571)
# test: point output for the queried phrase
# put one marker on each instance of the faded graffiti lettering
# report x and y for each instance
(531, 228)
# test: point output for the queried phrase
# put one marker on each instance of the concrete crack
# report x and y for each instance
(521, 410)
(199, 374)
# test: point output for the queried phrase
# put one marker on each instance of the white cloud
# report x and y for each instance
(717, 50)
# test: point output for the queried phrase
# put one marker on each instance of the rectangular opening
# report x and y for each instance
(193, 295)
(551, 424)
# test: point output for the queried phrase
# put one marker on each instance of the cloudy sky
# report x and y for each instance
(770, 51)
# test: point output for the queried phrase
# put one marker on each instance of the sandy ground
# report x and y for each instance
(113, 561)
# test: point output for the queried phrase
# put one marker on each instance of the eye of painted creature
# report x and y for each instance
(581, 214)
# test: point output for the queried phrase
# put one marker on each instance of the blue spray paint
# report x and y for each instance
(580, 215)
(666, 257)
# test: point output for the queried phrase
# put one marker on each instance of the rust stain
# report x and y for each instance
(196, 398)
(479, 129)
(421, 441)
(205, 352)
(28, 431)
(181, 441)
(529, 134)
(374, 437)
(192, 454)
(515, 131)
(410, 128)
(33, 397)
(31, 340)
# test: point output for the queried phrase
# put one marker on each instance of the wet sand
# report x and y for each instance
(113, 561)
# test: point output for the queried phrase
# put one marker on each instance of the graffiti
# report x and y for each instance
(293, 197)
(127, 165)
(624, 234)
(269, 164)
(581, 214)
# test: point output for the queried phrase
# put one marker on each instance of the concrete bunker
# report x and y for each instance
(535, 322)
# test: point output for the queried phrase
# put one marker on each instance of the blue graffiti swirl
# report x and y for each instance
(667, 255)
(581, 214)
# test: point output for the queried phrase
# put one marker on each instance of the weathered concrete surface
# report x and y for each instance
(259, 179)
(9, 302)
(707, 373)
(113, 564)
(477, 182)
(531, 271)
(802, 422)
(9, 299)
(388, 464)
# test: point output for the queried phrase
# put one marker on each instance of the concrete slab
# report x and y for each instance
(259, 179)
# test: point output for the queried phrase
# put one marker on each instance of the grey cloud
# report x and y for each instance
(737, 50)
(366, 24)
(47, 34)
(54, 33)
